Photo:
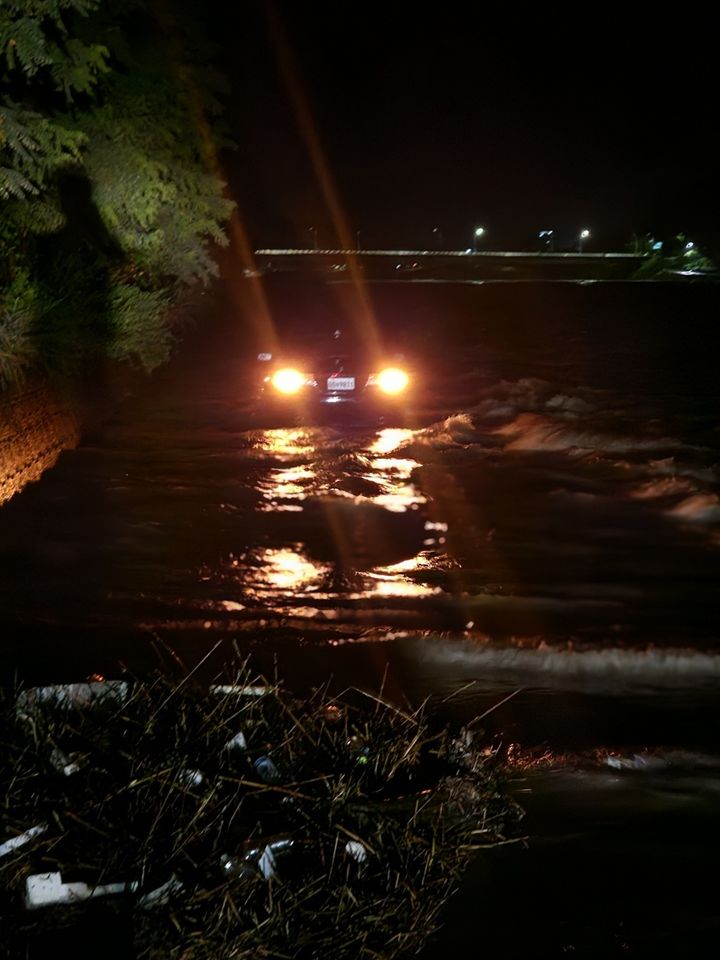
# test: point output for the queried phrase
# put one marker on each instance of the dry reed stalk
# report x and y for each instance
(383, 807)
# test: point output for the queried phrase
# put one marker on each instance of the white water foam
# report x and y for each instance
(669, 467)
(698, 508)
(538, 432)
(612, 669)
(456, 430)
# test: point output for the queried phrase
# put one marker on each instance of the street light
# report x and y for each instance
(313, 231)
(584, 234)
(548, 238)
(437, 237)
(478, 232)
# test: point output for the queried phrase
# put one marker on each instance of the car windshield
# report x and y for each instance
(322, 360)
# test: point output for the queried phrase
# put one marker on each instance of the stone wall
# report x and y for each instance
(36, 425)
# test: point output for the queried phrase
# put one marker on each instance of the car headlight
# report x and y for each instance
(392, 380)
(287, 380)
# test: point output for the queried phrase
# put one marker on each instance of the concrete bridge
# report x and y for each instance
(452, 264)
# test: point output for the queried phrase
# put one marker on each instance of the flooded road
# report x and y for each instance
(543, 523)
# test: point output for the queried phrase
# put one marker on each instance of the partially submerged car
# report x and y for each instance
(333, 379)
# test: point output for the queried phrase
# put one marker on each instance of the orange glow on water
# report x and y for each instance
(398, 494)
(393, 580)
(287, 484)
(400, 587)
(287, 570)
(390, 439)
(284, 442)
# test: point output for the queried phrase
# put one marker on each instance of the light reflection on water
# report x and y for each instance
(284, 570)
(399, 499)
(278, 573)
(390, 439)
(288, 443)
(400, 587)
(393, 581)
(394, 472)
(288, 483)
(274, 574)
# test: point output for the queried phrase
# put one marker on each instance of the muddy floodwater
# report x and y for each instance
(541, 526)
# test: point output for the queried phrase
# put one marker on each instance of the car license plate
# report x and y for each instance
(341, 383)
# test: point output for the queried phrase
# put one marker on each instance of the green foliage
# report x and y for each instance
(36, 216)
(679, 257)
(154, 184)
(59, 326)
(78, 67)
(33, 149)
(23, 43)
(34, 37)
(127, 112)
(653, 268)
(687, 257)
(17, 314)
(67, 303)
(140, 332)
(38, 52)
(643, 246)
(160, 205)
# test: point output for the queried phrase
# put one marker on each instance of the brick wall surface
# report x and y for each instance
(36, 425)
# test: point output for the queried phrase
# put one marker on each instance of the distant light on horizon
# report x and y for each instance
(477, 233)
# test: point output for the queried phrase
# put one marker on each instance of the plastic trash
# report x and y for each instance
(268, 862)
(241, 691)
(160, 895)
(617, 763)
(238, 742)
(70, 695)
(193, 778)
(14, 843)
(637, 762)
(358, 746)
(333, 714)
(47, 889)
(67, 764)
(266, 770)
(260, 860)
(238, 867)
(461, 747)
(356, 851)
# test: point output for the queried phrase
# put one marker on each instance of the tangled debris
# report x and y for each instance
(237, 821)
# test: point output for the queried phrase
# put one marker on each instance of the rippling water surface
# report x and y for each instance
(543, 522)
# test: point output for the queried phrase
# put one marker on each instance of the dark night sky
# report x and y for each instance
(462, 114)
